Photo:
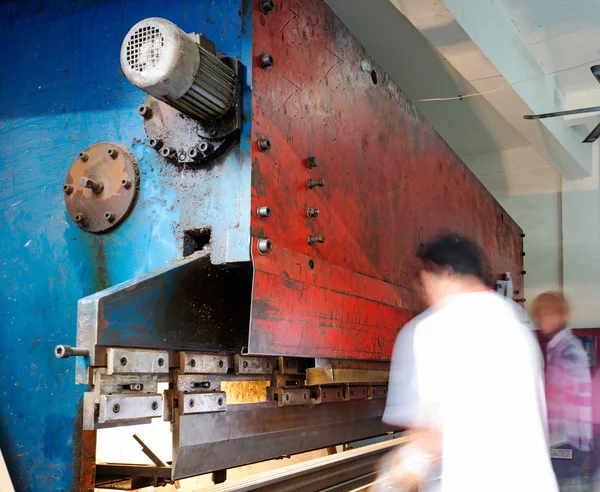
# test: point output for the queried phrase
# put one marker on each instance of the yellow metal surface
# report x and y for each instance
(321, 375)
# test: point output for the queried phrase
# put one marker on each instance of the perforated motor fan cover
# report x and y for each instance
(159, 58)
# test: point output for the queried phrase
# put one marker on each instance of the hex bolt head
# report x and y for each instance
(313, 183)
(312, 162)
(264, 246)
(79, 218)
(266, 60)
(95, 186)
(264, 144)
(110, 216)
(116, 408)
(112, 153)
(312, 212)
(267, 5)
(126, 183)
(68, 189)
(145, 111)
(154, 143)
(83, 156)
(315, 239)
(263, 212)
(182, 156)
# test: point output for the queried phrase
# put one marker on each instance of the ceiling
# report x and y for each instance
(561, 35)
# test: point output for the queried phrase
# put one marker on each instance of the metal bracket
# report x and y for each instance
(244, 364)
(288, 397)
(118, 407)
(330, 394)
(196, 363)
(377, 392)
(128, 361)
(215, 401)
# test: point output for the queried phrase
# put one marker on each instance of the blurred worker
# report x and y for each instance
(568, 392)
(467, 380)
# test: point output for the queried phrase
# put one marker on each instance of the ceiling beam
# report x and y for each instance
(480, 41)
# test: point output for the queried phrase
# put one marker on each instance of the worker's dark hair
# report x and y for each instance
(456, 252)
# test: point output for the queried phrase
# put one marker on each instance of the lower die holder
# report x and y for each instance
(101, 187)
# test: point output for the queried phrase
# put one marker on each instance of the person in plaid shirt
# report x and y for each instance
(568, 392)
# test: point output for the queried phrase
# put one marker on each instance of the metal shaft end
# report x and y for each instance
(315, 239)
(263, 212)
(313, 183)
(266, 60)
(264, 144)
(264, 246)
(66, 351)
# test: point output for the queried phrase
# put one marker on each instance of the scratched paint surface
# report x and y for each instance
(61, 90)
(391, 182)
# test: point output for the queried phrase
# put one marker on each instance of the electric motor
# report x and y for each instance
(162, 60)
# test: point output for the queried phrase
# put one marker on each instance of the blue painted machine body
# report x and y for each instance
(62, 90)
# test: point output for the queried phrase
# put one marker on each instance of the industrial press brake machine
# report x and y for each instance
(240, 199)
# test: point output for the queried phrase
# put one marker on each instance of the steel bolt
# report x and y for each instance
(312, 212)
(161, 361)
(126, 183)
(266, 60)
(112, 152)
(267, 5)
(95, 186)
(221, 363)
(313, 183)
(66, 351)
(154, 405)
(264, 144)
(110, 216)
(193, 362)
(83, 156)
(220, 401)
(154, 143)
(145, 111)
(312, 162)
(264, 246)
(68, 189)
(167, 152)
(205, 147)
(192, 403)
(182, 157)
(123, 361)
(315, 239)
(79, 218)
(116, 408)
(245, 364)
(263, 212)
(194, 154)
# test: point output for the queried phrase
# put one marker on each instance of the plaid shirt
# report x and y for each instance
(568, 392)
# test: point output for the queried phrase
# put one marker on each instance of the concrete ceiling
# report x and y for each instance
(561, 35)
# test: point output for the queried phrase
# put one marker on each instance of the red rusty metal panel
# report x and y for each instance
(308, 307)
(391, 182)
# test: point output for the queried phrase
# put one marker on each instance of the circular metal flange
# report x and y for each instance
(101, 187)
(179, 138)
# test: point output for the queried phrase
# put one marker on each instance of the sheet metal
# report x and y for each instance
(390, 183)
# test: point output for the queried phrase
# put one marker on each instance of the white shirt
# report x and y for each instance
(471, 368)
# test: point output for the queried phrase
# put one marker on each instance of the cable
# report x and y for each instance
(465, 96)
